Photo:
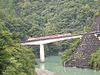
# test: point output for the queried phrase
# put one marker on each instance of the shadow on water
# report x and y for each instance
(53, 63)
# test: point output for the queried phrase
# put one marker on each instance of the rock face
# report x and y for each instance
(96, 25)
(88, 45)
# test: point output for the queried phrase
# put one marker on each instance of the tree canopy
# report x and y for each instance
(14, 59)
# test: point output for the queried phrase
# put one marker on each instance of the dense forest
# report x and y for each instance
(14, 59)
(20, 19)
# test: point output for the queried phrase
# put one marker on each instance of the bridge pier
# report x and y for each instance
(42, 54)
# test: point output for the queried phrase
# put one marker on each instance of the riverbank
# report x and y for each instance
(44, 72)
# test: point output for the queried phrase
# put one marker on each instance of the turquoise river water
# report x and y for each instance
(53, 63)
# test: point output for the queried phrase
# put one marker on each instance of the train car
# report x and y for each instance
(49, 37)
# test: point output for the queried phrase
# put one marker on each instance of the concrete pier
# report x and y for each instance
(42, 54)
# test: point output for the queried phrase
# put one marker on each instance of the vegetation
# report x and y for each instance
(68, 52)
(95, 60)
(14, 59)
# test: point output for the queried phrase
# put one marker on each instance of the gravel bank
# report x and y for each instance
(44, 72)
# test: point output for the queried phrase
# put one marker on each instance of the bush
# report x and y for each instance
(14, 59)
(73, 44)
(95, 60)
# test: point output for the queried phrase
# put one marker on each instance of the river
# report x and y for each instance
(53, 63)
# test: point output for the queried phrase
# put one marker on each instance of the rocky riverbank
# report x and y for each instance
(44, 72)
(88, 45)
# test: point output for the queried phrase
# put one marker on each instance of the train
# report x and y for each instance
(48, 37)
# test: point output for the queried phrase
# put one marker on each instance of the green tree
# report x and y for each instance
(95, 60)
(69, 51)
(14, 59)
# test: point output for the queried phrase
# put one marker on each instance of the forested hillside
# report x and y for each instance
(46, 17)
(14, 59)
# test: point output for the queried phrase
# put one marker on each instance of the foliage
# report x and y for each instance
(22, 63)
(95, 60)
(46, 17)
(14, 59)
(52, 49)
(68, 52)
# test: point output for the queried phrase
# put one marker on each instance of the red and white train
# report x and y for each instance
(49, 37)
